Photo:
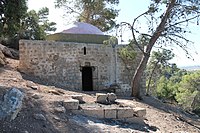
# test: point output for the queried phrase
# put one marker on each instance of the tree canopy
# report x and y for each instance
(156, 67)
(11, 13)
(36, 25)
(16, 23)
(100, 13)
(167, 25)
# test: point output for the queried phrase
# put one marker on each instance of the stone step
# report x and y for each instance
(127, 114)
(138, 111)
(71, 104)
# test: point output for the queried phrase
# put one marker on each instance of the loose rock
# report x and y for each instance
(12, 104)
(39, 117)
(60, 109)
(35, 96)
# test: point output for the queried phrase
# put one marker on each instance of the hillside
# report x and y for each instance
(41, 99)
(191, 68)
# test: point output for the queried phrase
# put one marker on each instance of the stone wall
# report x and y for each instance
(60, 63)
(126, 70)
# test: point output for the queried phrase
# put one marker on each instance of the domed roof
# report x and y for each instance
(82, 28)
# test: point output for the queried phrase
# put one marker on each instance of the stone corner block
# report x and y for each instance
(71, 104)
(101, 98)
(140, 112)
(111, 97)
(78, 97)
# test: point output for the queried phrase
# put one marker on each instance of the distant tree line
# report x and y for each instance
(172, 84)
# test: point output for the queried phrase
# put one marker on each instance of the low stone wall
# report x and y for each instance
(103, 111)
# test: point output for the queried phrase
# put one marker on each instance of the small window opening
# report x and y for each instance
(84, 49)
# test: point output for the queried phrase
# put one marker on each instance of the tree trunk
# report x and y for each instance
(137, 76)
(148, 86)
(138, 73)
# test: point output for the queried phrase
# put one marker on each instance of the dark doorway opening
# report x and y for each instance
(87, 81)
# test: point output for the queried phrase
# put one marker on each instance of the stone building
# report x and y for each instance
(77, 59)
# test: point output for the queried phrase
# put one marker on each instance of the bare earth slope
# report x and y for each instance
(44, 99)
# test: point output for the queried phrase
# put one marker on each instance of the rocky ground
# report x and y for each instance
(42, 114)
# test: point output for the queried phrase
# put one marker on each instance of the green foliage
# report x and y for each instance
(36, 25)
(162, 88)
(96, 12)
(188, 89)
(16, 23)
(183, 87)
(158, 65)
(174, 84)
(111, 41)
(11, 13)
(127, 53)
(167, 22)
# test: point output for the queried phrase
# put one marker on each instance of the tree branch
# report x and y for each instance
(160, 27)
(72, 10)
(134, 39)
(133, 33)
(179, 36)
(183, 21)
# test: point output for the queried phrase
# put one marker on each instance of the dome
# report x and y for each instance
(80, 32)
(82, 28)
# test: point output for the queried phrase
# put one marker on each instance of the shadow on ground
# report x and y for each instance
(108, 124)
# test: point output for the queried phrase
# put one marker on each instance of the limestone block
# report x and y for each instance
(140, 112)
(71, 104)
(110, 113)
(94, 112)
(101, 98)
(112, 97)
(125, 112)
(78, 97)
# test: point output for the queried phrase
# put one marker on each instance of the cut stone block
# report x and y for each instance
(140, 112)
(111, 97)
(94, 112)
(125, 113)
(71, 104)
(110, 113)
(78, 97)
(101, 98)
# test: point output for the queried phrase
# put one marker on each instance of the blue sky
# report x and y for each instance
(129, 9)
